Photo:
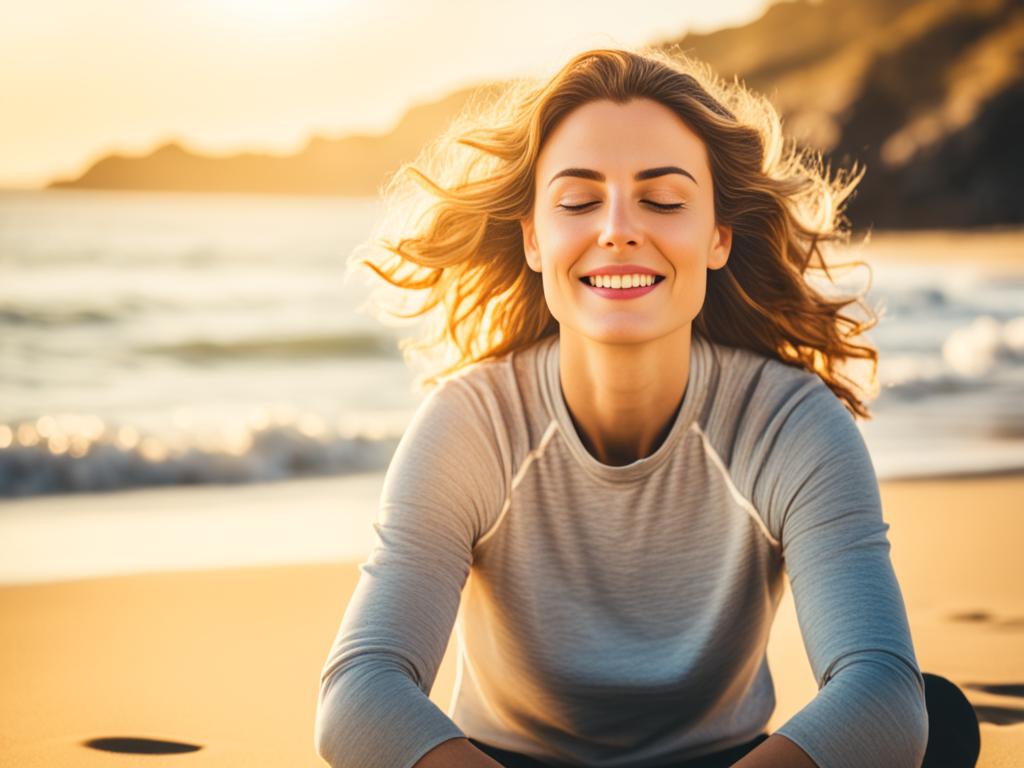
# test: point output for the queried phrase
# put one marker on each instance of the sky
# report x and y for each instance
(79, 80)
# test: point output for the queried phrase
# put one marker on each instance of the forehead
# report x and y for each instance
(612, 138)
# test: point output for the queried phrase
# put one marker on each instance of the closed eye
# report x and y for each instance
(657, 206)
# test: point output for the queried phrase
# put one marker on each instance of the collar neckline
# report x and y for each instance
(693, 399)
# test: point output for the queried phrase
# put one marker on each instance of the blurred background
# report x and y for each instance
(183, 183)
(196, 411)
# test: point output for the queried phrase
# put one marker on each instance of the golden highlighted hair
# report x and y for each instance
(451, 231)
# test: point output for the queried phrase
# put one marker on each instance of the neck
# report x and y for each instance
(624, 398)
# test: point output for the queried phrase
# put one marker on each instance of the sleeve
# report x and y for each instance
(445, 482)
(821, 486)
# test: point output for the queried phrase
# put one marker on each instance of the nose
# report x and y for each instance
(619, 227)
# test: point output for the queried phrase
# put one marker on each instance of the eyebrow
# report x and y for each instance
(650, 173)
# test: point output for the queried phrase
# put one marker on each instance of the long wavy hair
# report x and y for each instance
(451, 230)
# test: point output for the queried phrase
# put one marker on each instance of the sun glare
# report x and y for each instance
(272, 14)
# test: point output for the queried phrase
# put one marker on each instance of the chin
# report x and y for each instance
(623, 335)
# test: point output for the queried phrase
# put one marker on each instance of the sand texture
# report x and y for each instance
(229, 660)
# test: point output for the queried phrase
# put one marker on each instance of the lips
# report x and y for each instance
(622, 293)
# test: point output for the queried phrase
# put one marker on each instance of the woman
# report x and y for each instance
(645, 427)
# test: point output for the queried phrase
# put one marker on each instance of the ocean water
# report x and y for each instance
(151, 339)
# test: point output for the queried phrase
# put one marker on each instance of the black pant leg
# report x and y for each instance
(724, 758)
(721, 759)
(954, 738)
(506, 758)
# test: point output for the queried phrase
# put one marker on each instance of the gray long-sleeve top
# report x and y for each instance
(614, 616)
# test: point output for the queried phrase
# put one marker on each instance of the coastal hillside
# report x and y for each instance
(927, 94)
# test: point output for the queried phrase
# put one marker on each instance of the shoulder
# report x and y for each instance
(488, 392)
(505, 393)
(461, 409)
(484, 414)
(453, 460)
(777, 425)
(750, 379)
(754, 395)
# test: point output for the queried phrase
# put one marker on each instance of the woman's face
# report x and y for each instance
(624, 185)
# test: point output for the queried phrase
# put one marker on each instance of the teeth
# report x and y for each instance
(621, 281)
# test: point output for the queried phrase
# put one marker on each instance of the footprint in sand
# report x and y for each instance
(997, 715)
(992, 713)
(140, 746)
(989, 713)
(983, 617)
(977, 617)
(999, 689)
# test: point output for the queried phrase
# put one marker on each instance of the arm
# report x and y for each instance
(822, 494)
(444, 484)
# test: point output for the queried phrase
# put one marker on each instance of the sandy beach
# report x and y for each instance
(993, 250)
(226, 661)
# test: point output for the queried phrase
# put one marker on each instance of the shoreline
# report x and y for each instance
(64, 537)
(57, 538)
(931, 247)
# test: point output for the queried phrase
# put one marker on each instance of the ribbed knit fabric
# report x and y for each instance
(614, 616)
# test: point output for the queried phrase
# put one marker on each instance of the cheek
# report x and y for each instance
(562, 236)
(684, 250)
(559, 284)
(556, 297)
(554, 224)
(561, 249)
(686, 253)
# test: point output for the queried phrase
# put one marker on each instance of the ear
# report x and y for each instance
(530, 244)
(721, 245)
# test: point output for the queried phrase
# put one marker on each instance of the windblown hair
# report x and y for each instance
(459, 238)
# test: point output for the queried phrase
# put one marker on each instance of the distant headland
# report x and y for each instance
(928, 95)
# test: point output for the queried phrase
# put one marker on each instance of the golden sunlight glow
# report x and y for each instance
(282, 414)
(92, 427)
(127, 437)
(46, 426)
(236, 440)
(27, 434)
(152, 449)
(57, 443)
(79, 446)
(221, 76)
(311, 425)
(259, 419)
(273, 15)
